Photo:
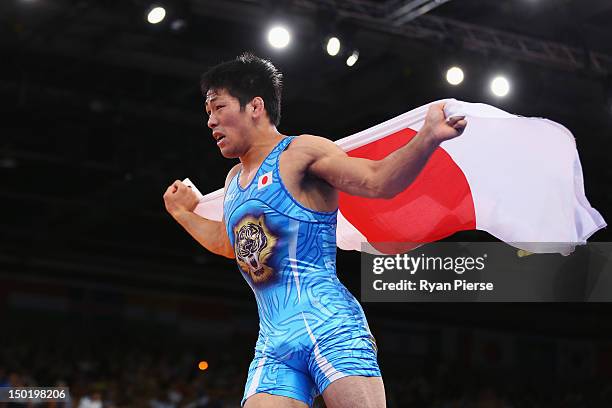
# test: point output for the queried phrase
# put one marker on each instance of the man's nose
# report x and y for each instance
(212, 121)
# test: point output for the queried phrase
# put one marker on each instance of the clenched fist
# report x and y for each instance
(438, 129)
(179, 198)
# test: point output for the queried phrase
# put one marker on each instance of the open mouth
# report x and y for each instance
(218, 137)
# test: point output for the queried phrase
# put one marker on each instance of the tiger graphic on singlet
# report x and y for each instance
(312, 330)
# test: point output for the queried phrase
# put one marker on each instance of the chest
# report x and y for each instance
(291, 167)
(289, 172)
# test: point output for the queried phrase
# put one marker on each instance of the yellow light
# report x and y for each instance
(454, 76)
(279, 37)
(156, 15)
(333, 46)
(500, 86)
(203, 365)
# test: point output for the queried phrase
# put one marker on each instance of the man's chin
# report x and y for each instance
(229, 154)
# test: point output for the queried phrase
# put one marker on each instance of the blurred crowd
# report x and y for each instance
(136, 368)
(118, 368)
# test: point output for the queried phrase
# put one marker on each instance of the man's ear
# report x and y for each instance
(257, 107)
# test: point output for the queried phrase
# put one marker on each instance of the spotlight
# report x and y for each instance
(156, 15)
(500, 86)
(333, 46)
(279, 37)
(454, 76)
(352, 59)
(178, 25)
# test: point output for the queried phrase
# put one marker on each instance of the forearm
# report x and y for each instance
(399, 169)
(210, 234)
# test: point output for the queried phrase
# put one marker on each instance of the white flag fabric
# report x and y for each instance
(517, 178)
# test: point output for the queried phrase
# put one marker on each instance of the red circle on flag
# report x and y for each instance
(264, 180)
(436, 204)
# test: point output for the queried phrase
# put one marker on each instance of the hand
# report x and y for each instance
(438, 129)
(179, 198)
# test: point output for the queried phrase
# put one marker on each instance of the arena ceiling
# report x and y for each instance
(101, 110)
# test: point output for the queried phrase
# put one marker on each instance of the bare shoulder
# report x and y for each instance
(230, 175)
(315, 146)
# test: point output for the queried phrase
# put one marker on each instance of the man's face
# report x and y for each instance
(229, 124)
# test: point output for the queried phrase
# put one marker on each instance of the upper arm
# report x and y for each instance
(329, 162)
(228, 179)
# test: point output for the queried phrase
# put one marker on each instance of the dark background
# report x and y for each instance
(101, 111)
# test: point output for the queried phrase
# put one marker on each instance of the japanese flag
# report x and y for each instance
(517, 178)
(264, 180)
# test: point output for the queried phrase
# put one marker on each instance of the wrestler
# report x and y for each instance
(279, 223)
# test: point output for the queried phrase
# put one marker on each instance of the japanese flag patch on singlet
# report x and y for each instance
(264, 180)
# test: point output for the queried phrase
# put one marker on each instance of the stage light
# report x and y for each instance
(178, 25)
(279, 37)
(156, 15)
(333, 46)
(352, 59)
(500, 86)
(454, 76)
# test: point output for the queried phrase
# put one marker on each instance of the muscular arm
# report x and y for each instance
(381, 178)
(180, 202)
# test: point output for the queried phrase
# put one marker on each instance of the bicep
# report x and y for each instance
(351, 175)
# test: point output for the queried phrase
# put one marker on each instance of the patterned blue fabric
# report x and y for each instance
(312, 331)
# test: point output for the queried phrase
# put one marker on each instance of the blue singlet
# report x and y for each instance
(312, 331)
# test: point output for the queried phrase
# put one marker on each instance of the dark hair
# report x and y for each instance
(246, 77)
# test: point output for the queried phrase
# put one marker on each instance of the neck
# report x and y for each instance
(262, 143)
